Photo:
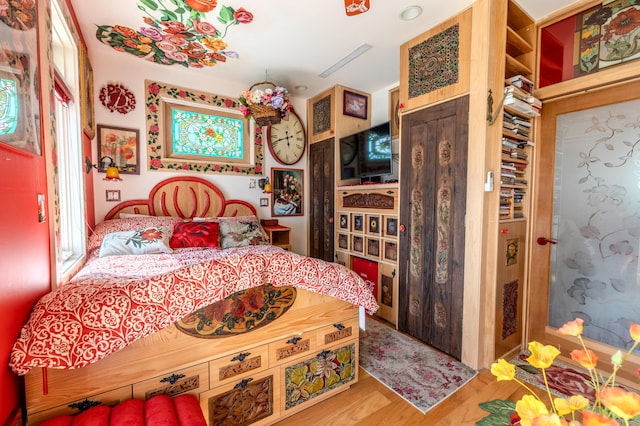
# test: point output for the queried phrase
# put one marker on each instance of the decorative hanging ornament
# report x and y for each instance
(356, 7)
(116, 97)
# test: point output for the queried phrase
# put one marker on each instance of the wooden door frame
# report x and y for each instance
(541, 224)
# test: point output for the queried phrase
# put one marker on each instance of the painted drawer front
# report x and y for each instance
(338, 332)
(110, 398)
(239, 365)
(316, 376)
(191, 380)
(292, 347)
(253, 400)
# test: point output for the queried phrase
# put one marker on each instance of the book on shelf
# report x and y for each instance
(521, 82)
(521, 106)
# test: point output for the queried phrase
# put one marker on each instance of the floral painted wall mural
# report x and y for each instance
(177, 32)
(597, 222)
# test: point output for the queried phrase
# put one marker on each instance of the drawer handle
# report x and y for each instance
(84, 405)
(339, 326)
(243, 383)
(241, 356)
(173, 379)
(323, 354)
(294, 340)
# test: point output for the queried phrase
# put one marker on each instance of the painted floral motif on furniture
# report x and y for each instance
(443, 232)
(239, 313)
(313, 377)
(417, 220)
(248, 402)
(509, 309)
(433, 64)
(181, 36)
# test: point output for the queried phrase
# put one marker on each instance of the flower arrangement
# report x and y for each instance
(612, 403)
(277, 98)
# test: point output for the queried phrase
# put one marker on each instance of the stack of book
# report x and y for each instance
(516, 125)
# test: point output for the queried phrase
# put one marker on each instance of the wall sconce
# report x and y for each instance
(265, 185)
(107, 164)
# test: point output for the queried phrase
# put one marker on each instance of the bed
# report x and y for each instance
(181, 293)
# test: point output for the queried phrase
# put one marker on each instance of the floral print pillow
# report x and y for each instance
(240, 233)
(195, 234)
(143, 241)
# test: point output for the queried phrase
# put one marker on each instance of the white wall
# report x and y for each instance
(114, 67)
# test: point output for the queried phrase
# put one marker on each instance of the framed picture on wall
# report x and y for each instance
(122, 146)
(86, 99)
(287, 187)
(355, 105)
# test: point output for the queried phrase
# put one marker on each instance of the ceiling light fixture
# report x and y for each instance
(344, 61)
(301, 87)
(410, 12)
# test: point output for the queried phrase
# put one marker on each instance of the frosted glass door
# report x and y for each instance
(596, 221)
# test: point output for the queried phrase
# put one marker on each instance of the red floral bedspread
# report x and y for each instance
(116, 300)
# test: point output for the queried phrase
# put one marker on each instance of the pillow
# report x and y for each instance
(195, 234)
(250, 219)
(141, 241)
(128, 224)
(241, 233)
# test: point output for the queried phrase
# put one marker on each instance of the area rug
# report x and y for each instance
(421, 375)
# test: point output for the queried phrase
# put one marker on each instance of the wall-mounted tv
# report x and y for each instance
(366, 155)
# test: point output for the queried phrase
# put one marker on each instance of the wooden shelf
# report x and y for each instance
(516, 45)
(515, 67)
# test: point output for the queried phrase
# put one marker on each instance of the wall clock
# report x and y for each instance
(287, 139)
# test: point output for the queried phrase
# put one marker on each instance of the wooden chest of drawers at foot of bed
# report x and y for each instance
(266, 380)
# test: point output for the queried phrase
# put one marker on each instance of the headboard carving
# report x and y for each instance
(184, 197)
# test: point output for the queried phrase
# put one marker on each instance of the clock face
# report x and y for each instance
(287, 140)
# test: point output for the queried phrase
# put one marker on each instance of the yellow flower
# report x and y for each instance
(503, 370)
(622, 403)
(572, 328)
(529, 408)
(634, 330)
(586, 358)
(548, 420)
(575, 403)
(542, 356)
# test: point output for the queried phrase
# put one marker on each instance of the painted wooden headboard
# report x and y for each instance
(184, 197)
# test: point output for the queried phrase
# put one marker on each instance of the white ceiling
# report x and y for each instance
(290, 42)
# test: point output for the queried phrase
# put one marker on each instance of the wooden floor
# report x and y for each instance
(369, 402)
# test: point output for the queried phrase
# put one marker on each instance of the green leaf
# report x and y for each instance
(226, 14)
(151, 4)
(168, 15)
(500, 410)
(529, 369)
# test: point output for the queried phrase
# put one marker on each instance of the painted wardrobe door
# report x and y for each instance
(433, 199)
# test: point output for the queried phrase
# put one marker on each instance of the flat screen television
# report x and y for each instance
(366, 155)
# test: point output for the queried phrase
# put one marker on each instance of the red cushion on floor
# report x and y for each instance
(158, 411)
(188, 410)
(128, 413)
(94, 416)
(58, 421)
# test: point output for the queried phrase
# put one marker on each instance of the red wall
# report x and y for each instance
(24, 258)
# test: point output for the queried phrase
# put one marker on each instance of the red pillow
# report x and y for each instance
(195, 234)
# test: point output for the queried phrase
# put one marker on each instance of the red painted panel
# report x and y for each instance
(24, 257)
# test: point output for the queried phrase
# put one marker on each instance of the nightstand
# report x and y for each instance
(279, 236)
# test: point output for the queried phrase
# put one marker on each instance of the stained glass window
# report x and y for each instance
(209, 135)
(8, 106)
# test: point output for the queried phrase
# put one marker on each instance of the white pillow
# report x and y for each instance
(142, 241)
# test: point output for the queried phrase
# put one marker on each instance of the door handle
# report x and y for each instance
(544, 241)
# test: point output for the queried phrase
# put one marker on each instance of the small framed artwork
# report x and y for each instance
(392, 226)
(87, 115)
(390, 251)
(373, 247)
(122, 146)
(358, 222)
(374, 224)
(343, 241)
(355, 105)
(112, 194)
(344, 221)
(358, 244)
(264, 202)
(287, 192)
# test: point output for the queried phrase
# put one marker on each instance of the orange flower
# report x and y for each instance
(572, 328)
(634, 330)
(622, 403)
(548, 420)
(586, 358)
(589, 418)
